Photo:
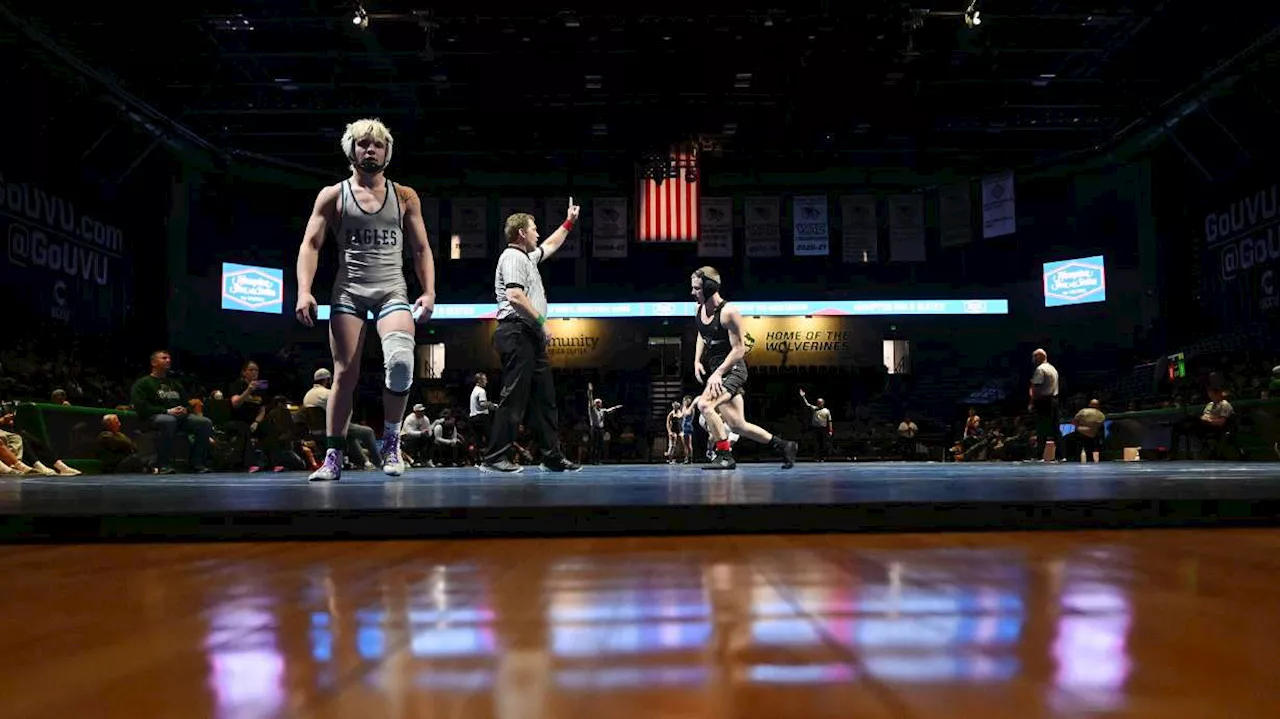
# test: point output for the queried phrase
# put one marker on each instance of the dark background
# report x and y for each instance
(206, 143)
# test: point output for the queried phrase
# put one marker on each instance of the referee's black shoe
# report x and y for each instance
(504, 466)
(560, 463)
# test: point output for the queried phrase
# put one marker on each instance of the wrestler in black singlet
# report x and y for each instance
(716, 347)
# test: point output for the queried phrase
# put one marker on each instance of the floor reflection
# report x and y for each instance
(714, 626)
(246, 666)
(1091, 643)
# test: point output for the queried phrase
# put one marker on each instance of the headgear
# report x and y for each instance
(709, 286)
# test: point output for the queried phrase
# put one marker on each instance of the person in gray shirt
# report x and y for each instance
(1043, 403)
(521, 339)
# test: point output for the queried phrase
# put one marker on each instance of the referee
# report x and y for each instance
(521, 341)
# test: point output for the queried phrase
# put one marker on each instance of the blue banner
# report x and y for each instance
(1241, 233)
(65, 261)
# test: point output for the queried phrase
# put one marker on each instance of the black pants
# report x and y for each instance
(528, 392)
(823, 439)
(242, 448)
(133, 463)
(481, 426)
(1073, 443)
(418, 446)
(597, 445)
(1045, 412)
(1192, 428)
(35, 450)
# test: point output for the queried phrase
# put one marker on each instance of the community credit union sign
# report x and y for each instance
(577, 344)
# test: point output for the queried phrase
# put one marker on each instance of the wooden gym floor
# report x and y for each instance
(1141, 623)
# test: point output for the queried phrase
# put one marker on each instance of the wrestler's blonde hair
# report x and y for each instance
(360, 129)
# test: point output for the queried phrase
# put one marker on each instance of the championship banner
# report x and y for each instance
(955, 215)
(1242, 253)
(998, 213)
(715, 227)
(470, 240)
(760, 221)
(509, 206)
(906, 228)
(810, 235)
(65, 262)
(859, 228)
(554, 212)
(609, 227)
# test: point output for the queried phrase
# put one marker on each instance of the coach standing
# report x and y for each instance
(521, 341)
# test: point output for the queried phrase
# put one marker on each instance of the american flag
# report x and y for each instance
(669, 209)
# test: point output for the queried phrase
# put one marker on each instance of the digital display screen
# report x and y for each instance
(246, 288)
(1075, 282)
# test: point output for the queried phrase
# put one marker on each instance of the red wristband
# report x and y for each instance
(568, 225)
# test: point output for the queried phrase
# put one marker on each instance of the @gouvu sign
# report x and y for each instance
(1075, 282)
(252, 289)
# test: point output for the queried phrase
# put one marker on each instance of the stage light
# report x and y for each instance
(361, 18)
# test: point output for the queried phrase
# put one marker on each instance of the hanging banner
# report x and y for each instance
(1241, 229)
(998, 214)
(470, 237)
(810, 235)
(555, 210)
(761, 226)
(609, 227)
(906, 228)
(859, 228)
(509, 206)
(955, 215)
(715, 227)
(66, 263)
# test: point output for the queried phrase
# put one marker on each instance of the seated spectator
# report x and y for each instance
(247, 412)
(1208, 426)
(116, 453)
(444, 432)
(416, 436)
(33, 454)
(361, 439)
(278, 437)
(1088, 434)
(158, 398)
(11, 463)
(59, 396)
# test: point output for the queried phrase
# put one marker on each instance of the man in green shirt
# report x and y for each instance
(160, 399)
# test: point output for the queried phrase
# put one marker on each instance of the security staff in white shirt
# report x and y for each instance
(481, 415)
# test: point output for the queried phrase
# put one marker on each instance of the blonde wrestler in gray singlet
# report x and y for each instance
(371, 218)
